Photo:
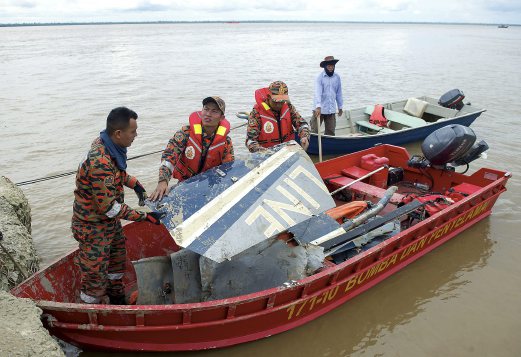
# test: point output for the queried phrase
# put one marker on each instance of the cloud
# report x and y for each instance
(281, 6)
(17, 4)
(393, 5)
(146, 6)
(26, 4)
(478, 11)
(504, 6)
(238, 6)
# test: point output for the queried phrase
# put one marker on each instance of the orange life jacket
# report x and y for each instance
(378, 117)
(273, 131)
(192, 161)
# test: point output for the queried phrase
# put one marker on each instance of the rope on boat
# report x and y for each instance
(68, 173)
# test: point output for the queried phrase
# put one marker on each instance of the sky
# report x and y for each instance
(454, 11)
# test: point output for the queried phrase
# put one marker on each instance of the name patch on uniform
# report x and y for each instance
(190, 152)
(268, 127)
(109, 181)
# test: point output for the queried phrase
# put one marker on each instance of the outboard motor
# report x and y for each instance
(448, 144)
(453, 99)
(448, 147)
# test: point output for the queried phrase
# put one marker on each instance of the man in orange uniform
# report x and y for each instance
(99, 206)
(274, 120)
(197, 147)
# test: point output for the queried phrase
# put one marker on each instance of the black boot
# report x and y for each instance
(117, 300)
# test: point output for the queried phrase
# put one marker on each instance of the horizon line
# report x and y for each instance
(79, 23)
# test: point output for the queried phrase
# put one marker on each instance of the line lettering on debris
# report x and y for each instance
(279, 222)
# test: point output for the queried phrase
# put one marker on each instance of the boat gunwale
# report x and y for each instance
(446, 121)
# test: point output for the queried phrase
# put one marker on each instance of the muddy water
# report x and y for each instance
(57, 84)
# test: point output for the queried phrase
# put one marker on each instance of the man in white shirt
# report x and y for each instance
(328, 95)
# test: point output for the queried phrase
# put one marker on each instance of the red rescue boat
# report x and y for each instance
(231, 321)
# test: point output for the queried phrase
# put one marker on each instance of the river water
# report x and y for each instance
(57, 85)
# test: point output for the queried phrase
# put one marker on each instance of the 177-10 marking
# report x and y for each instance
(312, 302)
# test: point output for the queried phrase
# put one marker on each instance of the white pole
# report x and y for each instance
(317, 117)
(359, 179)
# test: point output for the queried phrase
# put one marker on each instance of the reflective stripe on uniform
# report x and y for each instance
(114, 210)
(221, 130)
(115, 276)
(89, 299)
(269, 118)
(216, 146)
(250, 142)
(167, 164)
(195, 144)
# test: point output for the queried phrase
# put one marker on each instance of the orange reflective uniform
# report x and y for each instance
(99, 193)
(97, 210)
(191, 150)
(192, 161)
(267, 128)
(274, 129)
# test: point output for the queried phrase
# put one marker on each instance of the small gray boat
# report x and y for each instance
(405, 121)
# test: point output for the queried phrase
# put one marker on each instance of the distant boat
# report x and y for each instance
(232, 22)
(502, 26)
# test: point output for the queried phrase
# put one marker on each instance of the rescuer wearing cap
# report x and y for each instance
(197, 147)
(99, 206)
(274, 120)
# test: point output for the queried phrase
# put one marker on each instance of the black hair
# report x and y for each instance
(119, 119)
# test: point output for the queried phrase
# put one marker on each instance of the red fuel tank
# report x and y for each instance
(372, 162)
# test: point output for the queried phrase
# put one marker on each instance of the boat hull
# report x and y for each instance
(221, 323)
(339, 145)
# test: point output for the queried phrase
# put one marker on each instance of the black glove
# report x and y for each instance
(141, 193)
(155, 217)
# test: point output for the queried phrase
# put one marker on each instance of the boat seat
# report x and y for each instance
(354, 172)
(361, 188)
(440, 111)
(397, 117)
(415, 107)
(374, 127)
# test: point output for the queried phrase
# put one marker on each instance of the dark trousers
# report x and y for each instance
(329, 122)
